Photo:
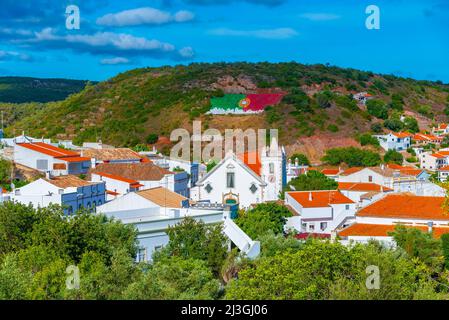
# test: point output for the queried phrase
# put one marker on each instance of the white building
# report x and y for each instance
(122, 178)
(47, 158)
(362, 97)
(11, 142)
(70, 192)
(441, 130)
(319, 212)
(153, 211)
(434, 161)
(363, 193)
(400, 179)
(251, 178)
(395, 141)
(376, 221)
(112, 155)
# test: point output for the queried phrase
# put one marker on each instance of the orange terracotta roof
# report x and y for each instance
(426, 137)
(69, 181)
(443, 126)
(381, 230)
(163, 197)
(48, 149)
(330, 172)
(411, 171)
(438, 155)
(146, 171)
(112, 154)
(252, 160)
(112, 193)
(401, 135)
(445, 168)
(116, 177)
(349, 171)
(362, 187)
(74, 159)
(406, 207)
(319, 199)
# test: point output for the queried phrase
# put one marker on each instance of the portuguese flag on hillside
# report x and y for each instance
(247, 103)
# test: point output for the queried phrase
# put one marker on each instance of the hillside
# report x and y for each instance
(20, 89)
(315, 114)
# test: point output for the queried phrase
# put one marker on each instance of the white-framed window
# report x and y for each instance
(311, 227)
(323, 226)
(271, 168)
(142, 255)
(347, 207)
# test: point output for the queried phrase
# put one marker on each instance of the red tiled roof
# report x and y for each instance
(381, 230)
(362, 187)
(74, 159)
(443, 126)
(405, 170)
(330, 172)
(406, 207)
(48, 149)
(438, 155)
(319, 199)
(401, 135)
(445, 168)
(112, 193)
(118, 178)
(349, 171)
(252, 160)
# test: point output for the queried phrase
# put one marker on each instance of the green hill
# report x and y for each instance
(20, 89)
(128, 108)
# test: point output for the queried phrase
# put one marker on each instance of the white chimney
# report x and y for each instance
(310, 196)
(48, 175)
(93, 163)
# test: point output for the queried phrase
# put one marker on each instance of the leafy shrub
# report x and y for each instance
(352, 156)
(377, 108)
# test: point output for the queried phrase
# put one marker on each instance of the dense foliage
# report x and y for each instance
(312, 180)
(352, 156)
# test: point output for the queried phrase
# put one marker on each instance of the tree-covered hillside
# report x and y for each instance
(21, 90)
(132, 106)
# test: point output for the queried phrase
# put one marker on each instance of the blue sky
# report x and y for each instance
(117, 35)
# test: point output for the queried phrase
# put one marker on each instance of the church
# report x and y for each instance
(245, 179)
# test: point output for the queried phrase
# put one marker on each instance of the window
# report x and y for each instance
(142, 255)
(230, 180)
(311, 227)
(41, 164)
(370, 178)
(323, 226)
(347, 207)
(271, 168)
(253, 188)
(158, 248)
(208, 188)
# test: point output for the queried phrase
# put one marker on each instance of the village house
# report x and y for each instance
(443, 173)
(294, 170)
(398, 178)
(363, 193)
(70, 192)
(154, 210)
(395, 141)
(422, 139)
(362, 97)
(251, 178)
(434, 161)
(122, 178)
(112, 155)
(441, 130)
(50, 159)
(319, 212)
(376, 221)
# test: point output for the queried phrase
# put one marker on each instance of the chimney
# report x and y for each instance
(48, 175)
(430, 227)
(93, 163)
(310, 196)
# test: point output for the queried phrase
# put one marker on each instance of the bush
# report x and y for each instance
(392, 156)
(376, 127)
(352, 156)
(393, 125)
(152, 138)
(312, 180)
(333, 128)
(302, 159)
(367, 139)
(377, 108)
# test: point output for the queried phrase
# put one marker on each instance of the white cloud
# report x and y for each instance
(187, 52)
(12, 55)
(114, 61)
(319, 16)
(280, 33)
(142, 16)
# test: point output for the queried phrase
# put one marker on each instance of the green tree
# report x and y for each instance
(394, 124)
(152, 138)
(411, 124)
(262, 219)
(353, 157)
(377, 108)
(392, 156)
(193, 239)
(312, 180)
(367, 139)
(301, 158)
